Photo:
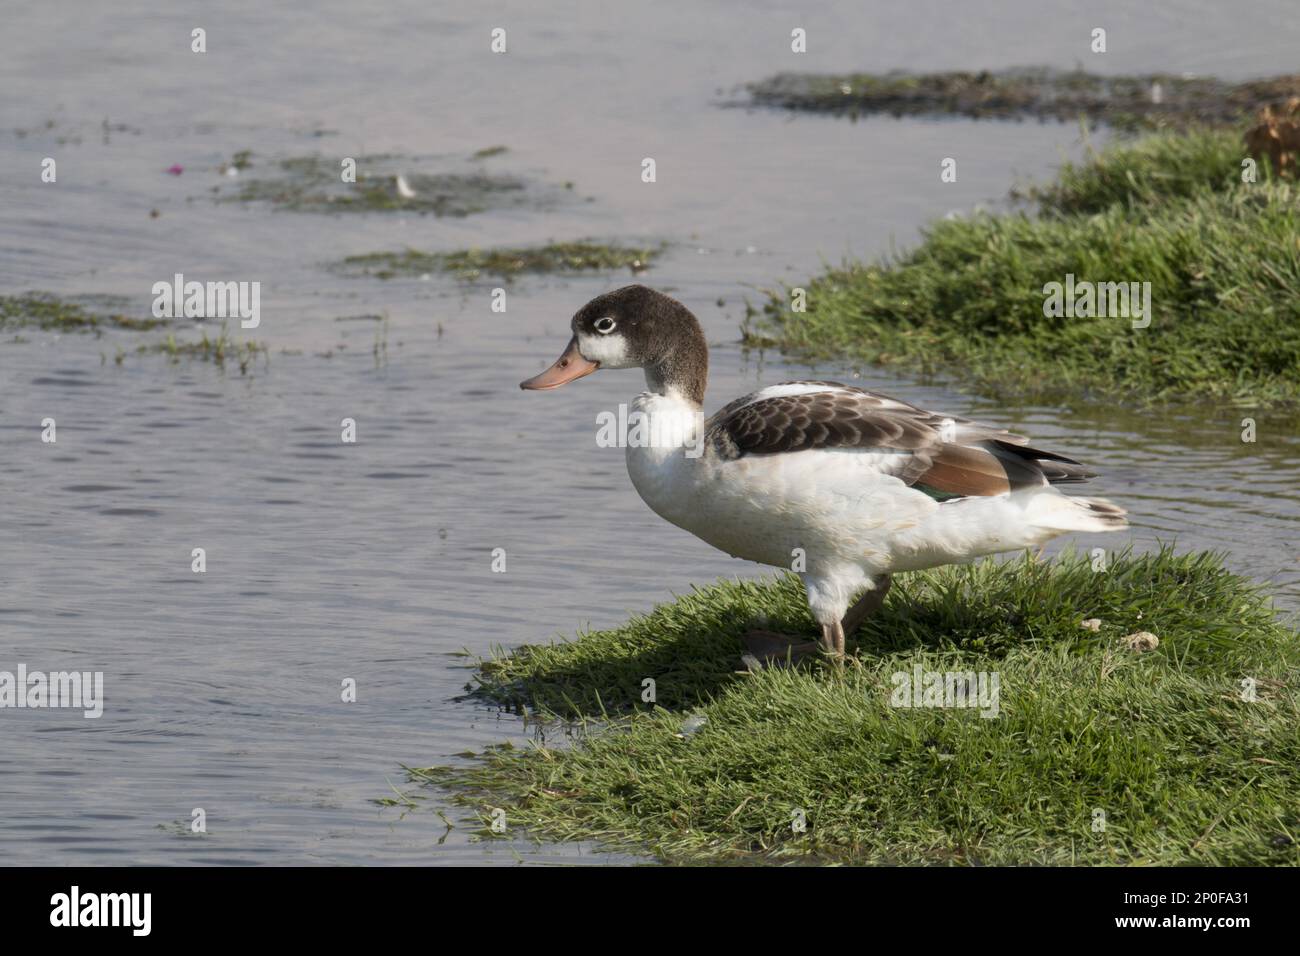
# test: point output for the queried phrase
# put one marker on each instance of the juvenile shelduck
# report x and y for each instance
(844, 485)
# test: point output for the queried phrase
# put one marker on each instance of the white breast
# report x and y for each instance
(664, 453)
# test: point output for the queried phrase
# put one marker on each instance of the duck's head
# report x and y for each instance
(634, 327)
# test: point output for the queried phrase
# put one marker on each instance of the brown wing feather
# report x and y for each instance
(958, 470)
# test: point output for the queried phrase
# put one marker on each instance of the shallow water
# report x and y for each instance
(373, 561)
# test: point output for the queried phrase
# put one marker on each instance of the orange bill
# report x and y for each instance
(569, 366)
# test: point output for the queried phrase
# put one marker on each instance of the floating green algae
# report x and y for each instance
(1148, 100)
(387, 184)
(470, 264)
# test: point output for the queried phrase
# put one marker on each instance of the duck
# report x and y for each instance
(843, 486)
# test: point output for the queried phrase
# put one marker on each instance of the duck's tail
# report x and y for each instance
(1068, 513)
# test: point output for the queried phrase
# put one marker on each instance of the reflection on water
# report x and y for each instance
(372, 561)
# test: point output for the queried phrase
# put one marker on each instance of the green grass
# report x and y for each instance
(1122, 101)
(219, 350)
(472, 264)
(96, 314)
(1185, 770)
(1148, 172)
(51, 313)
(1222, 257)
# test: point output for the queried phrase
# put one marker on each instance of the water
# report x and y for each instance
(372, 561)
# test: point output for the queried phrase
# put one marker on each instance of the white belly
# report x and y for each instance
(789, 511)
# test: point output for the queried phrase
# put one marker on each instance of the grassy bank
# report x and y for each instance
(722, 765)
(1147, 101)
(1146, 173)
(1221, 257)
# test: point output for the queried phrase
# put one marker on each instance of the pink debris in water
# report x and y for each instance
(176, 169)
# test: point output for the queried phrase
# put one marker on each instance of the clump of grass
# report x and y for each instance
(1148, 101)
(471, 264)
(51, 313)
(1222, 260)
(1185, 767)
(1148, 172)
(314, 184)
(219, 349)
(93, 314)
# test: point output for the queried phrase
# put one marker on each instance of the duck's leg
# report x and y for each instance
(866, 606)
(833, 640)
(771, 647)
(766, 648)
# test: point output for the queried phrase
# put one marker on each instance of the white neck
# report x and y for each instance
(667, 423)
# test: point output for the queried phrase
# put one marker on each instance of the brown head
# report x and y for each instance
(634, 327)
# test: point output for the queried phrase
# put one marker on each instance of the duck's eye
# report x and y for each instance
(604, 325)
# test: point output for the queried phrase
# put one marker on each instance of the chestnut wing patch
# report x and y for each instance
(943, 456)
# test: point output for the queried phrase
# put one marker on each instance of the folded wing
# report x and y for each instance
(943, 456)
